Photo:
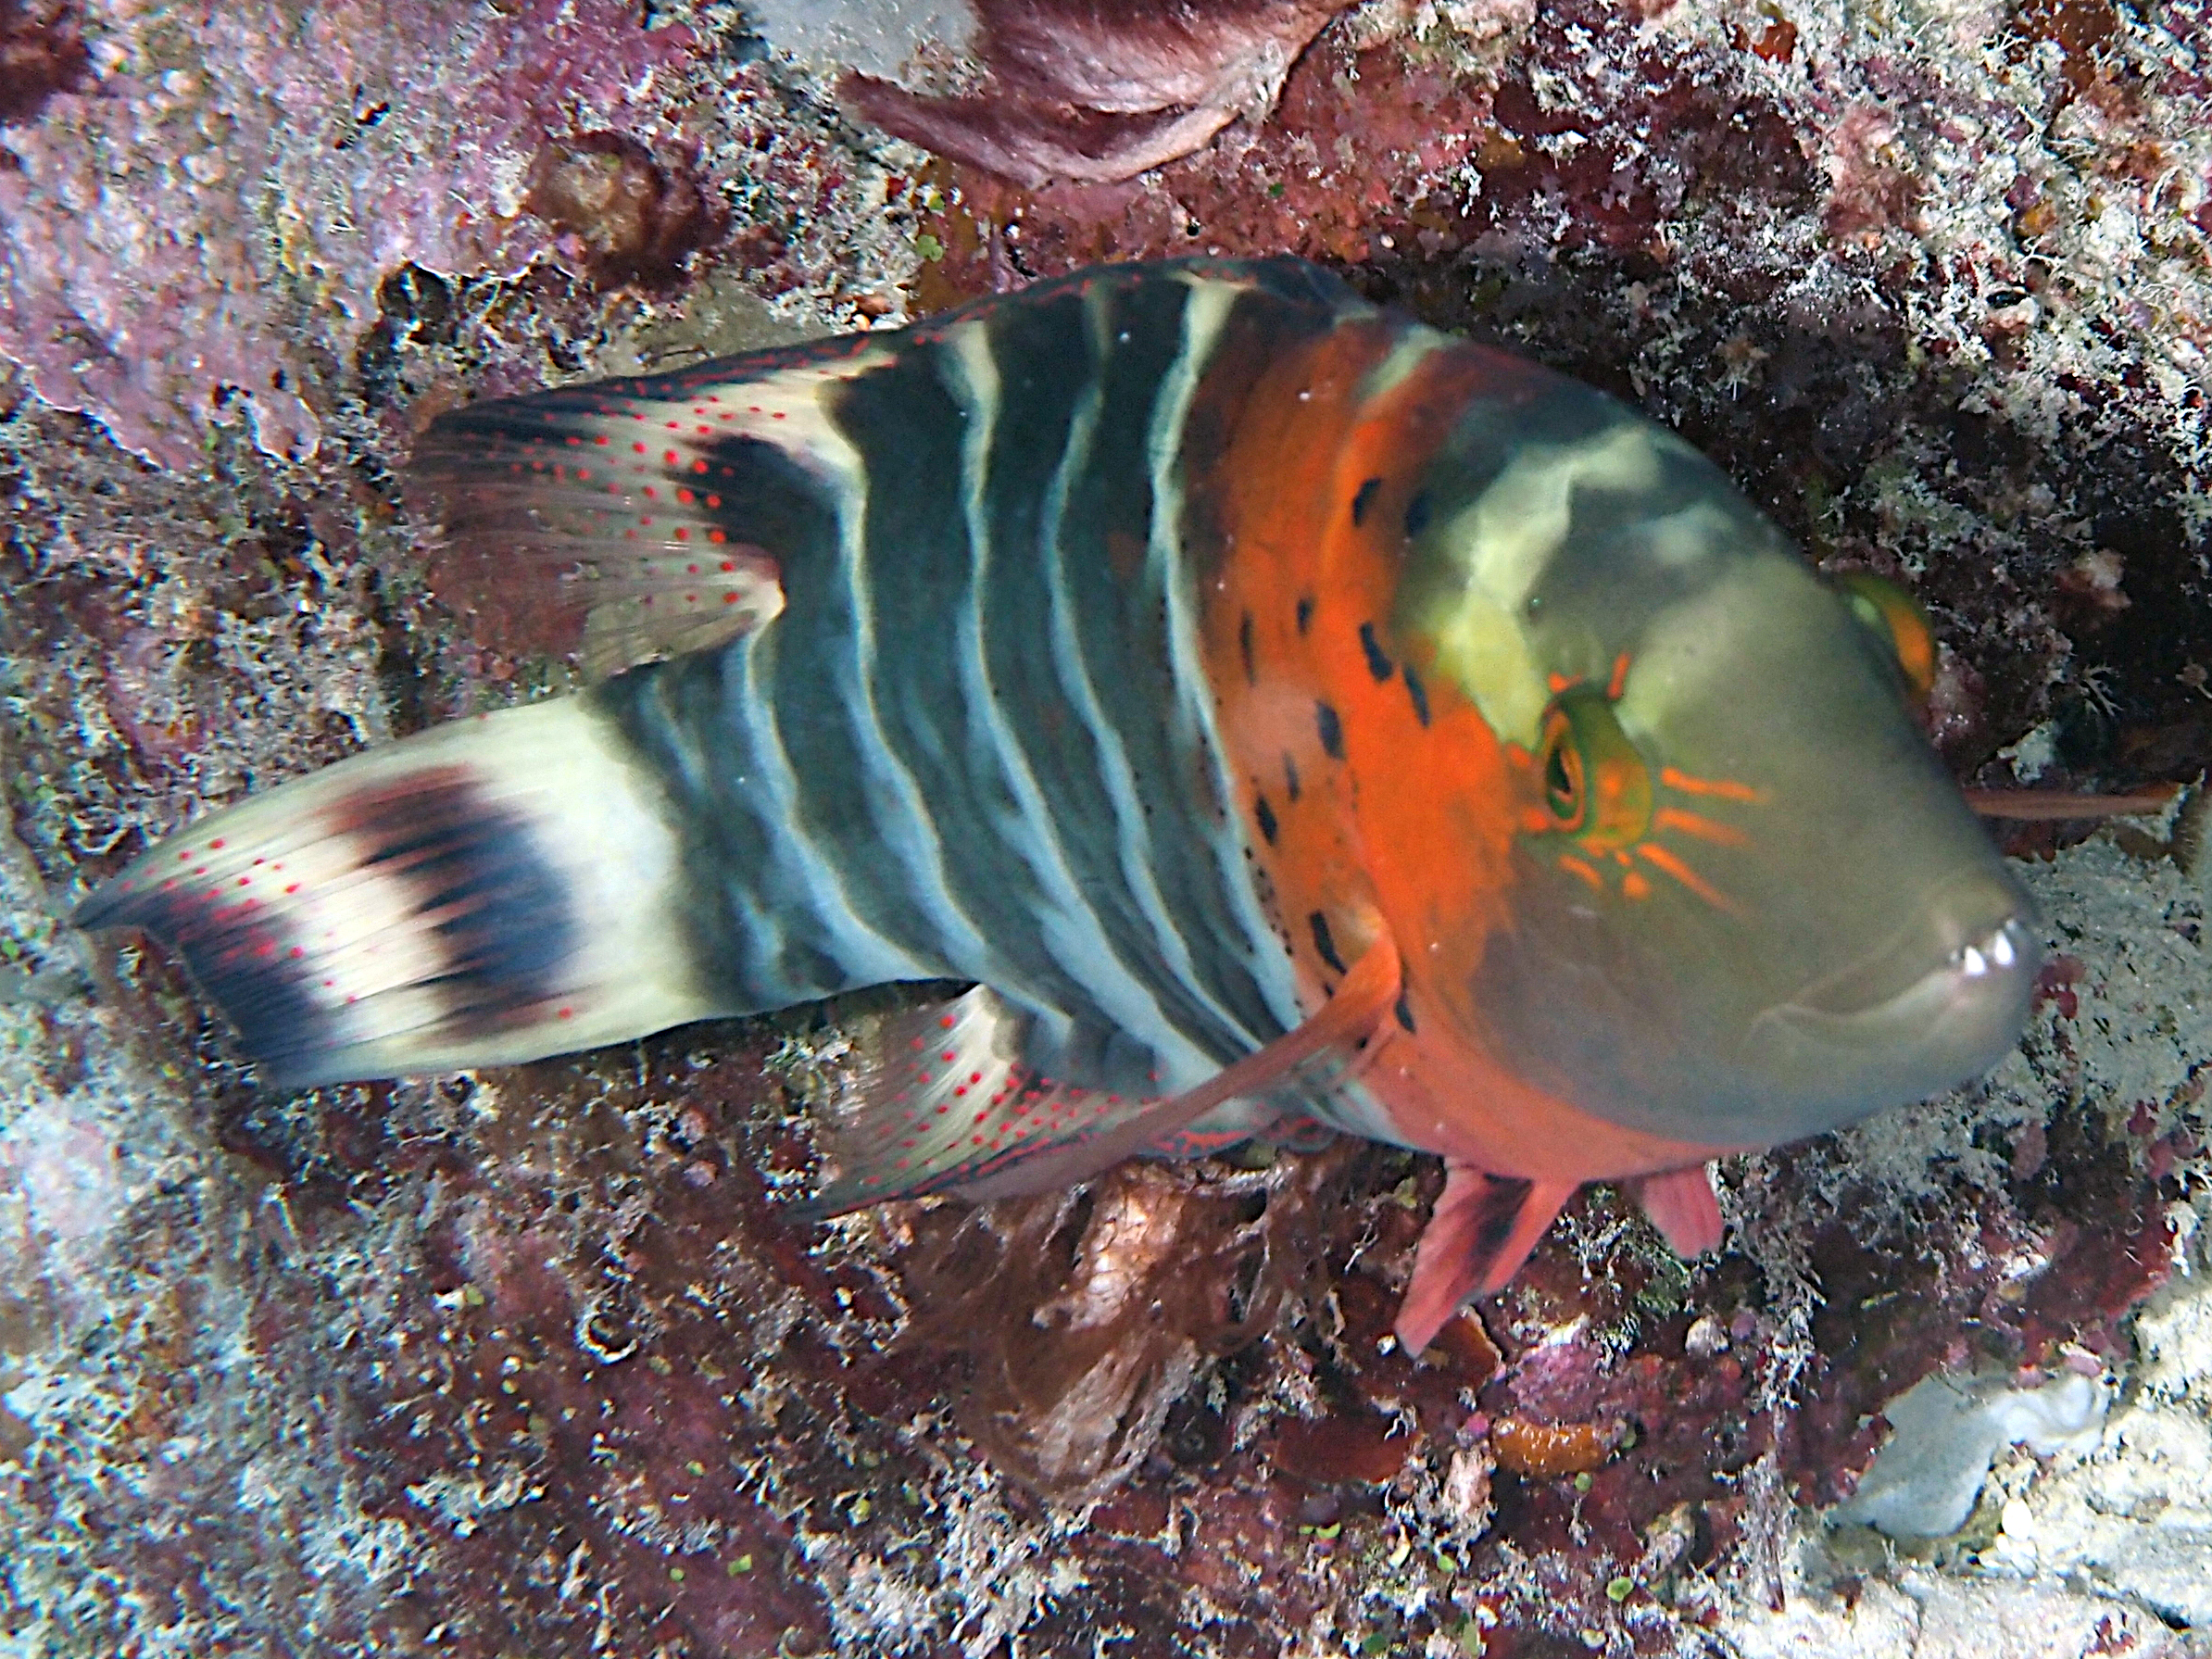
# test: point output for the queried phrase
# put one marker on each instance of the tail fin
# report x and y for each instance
(492, 891)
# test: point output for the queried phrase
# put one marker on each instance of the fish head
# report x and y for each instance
(1747, 902)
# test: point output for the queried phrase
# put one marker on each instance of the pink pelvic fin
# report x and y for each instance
(1679, 1202)
(1480, 1232)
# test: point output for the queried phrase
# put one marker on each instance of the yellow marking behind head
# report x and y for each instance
(1505, 539)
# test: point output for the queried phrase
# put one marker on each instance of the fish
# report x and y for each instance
(1281, 716)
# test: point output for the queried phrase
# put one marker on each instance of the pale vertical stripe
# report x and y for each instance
(922, 860)
(865, 954)
(1191, 720)
(1183, 1062)
(1414, 345)
(1070, 927)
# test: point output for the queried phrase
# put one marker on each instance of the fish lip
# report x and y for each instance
(1955, 1018)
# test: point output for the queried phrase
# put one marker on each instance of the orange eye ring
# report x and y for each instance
(1895, 617)
(1596, 784)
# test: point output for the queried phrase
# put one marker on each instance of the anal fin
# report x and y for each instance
(946, 1106)
(943, 1101)
(1480, 1232)
(1682, 1205)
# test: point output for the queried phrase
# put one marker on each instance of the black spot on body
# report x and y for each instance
(1363, 500)
(1378, 664)
(1266, 816)
(1332, 731)
(1404, 1010)
(1325, 942)
(1244, 649)
(1290, 778)
(1417, 514)
(1418, 692)
(1305, 612)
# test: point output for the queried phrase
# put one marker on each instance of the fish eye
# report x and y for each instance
(1895, 617)
(1596, 784)
(1562, 770)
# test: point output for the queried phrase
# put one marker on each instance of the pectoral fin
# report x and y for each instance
(1480, 1232)
(948, 1107)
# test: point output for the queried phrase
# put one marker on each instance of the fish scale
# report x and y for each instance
(1148, 967)
(1278, 712)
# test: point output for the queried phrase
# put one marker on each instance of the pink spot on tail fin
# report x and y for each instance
(1680, 1205)
(1480, 1232)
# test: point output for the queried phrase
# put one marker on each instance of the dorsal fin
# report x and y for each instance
(644, 501)
(659, 505)
(945, 1104)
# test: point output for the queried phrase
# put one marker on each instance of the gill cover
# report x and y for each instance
(1750, 904)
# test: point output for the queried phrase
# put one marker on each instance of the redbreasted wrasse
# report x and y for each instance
(1277, 710)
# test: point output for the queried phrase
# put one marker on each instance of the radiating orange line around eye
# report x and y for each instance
(1704, 829)
(1619, 683)
(1661, 860)
(1721, 788)
(1575, 866)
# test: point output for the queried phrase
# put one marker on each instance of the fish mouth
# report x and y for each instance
(1888, 1028)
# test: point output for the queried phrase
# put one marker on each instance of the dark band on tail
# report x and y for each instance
(424, 892)
(500, 913)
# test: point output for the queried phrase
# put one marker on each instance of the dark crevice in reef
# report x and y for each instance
(41, 52)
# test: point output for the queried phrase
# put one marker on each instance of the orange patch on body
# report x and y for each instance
(1413, 828)
(1304, 451)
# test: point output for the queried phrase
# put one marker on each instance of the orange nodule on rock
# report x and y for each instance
(1548, 1451)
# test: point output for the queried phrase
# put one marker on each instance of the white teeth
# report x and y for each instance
(1972, 961)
